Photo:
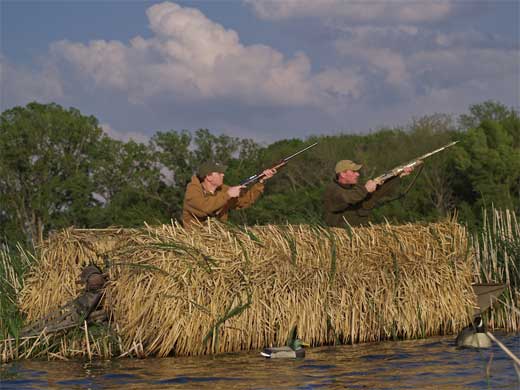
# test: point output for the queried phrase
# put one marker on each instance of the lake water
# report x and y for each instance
(433, 363)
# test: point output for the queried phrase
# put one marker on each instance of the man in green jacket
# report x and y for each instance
(346, 201)
(208, 197)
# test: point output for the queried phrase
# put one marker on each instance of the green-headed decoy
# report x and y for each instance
(294, 350)
(293, 347)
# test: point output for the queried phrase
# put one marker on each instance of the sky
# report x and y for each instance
(266, 70)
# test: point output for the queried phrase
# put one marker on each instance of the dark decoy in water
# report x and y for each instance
(295, 350)
(474, 336)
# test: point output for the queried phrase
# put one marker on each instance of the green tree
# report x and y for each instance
(488, 170)
(488, 110)
(45, 168)
(128, 185)
(487, 164)
(176, 160)
(208, 146)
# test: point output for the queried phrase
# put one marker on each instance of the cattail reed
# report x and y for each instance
(497, 260)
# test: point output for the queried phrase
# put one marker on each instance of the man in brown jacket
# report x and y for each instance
(345, 200)
(208, 197)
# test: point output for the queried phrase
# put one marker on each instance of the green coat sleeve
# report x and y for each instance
(340, 198)
(383, 191)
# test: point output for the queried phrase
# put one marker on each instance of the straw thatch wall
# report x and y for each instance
(222, 288)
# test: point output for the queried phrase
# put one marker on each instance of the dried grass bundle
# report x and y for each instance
(222, 288)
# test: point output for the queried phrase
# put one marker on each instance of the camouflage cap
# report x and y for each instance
(209, 167)
(347, 165)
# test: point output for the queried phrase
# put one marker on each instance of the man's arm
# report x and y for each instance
(382, 191)
(200, 205)
(386, 189)
(343, 198)
(250, 196)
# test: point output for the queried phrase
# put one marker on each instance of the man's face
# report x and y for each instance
(216, 178)
(349, 177)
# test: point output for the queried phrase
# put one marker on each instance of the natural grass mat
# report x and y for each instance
(222, 288)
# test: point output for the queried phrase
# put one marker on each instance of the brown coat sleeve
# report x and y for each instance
(250, 196)
(199, 205)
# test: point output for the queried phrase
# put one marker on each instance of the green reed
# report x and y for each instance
(497, 260)
(13, 265)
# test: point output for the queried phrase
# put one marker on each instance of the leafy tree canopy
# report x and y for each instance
(58, 168)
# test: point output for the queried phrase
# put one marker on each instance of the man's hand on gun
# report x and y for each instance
(267, 174)
(408, 170)
(372, 184)
(234, 192)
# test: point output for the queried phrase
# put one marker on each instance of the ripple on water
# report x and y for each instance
(22, 384)
(319, 367)
(417, 364)
(187, 379)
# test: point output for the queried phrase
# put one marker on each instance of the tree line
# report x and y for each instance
(58, 169)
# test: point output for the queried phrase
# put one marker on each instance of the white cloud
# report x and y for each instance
(392, 63)
(357, 11)
(19, 85)
(195, 58)
(368, 63)
(124, 136)
(341, 83)
(445, 68)
(105, 62)
(418, 61)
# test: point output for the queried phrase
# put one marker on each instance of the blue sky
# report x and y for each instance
(265, 70)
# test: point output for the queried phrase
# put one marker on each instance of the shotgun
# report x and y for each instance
(400, 168)
(279, 164)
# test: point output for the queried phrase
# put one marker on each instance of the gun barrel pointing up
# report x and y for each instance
(397, 170)
(436, 151)
(300, 151)
(280, 164)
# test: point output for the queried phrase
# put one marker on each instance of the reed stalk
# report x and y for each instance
(13, 265)
(497, 260)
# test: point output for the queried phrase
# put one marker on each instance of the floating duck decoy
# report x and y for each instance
(474, 336)
(293, 349)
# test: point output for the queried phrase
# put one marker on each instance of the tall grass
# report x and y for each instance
(222, 289)
(226, 289)
(497, 260)
(13, 265)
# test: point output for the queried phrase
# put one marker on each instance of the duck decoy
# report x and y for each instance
(295, 350)
(474, 335)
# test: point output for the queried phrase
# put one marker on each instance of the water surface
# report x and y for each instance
(433, 363)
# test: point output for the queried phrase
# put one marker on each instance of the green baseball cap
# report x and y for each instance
(347, 165)
(209, 167)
